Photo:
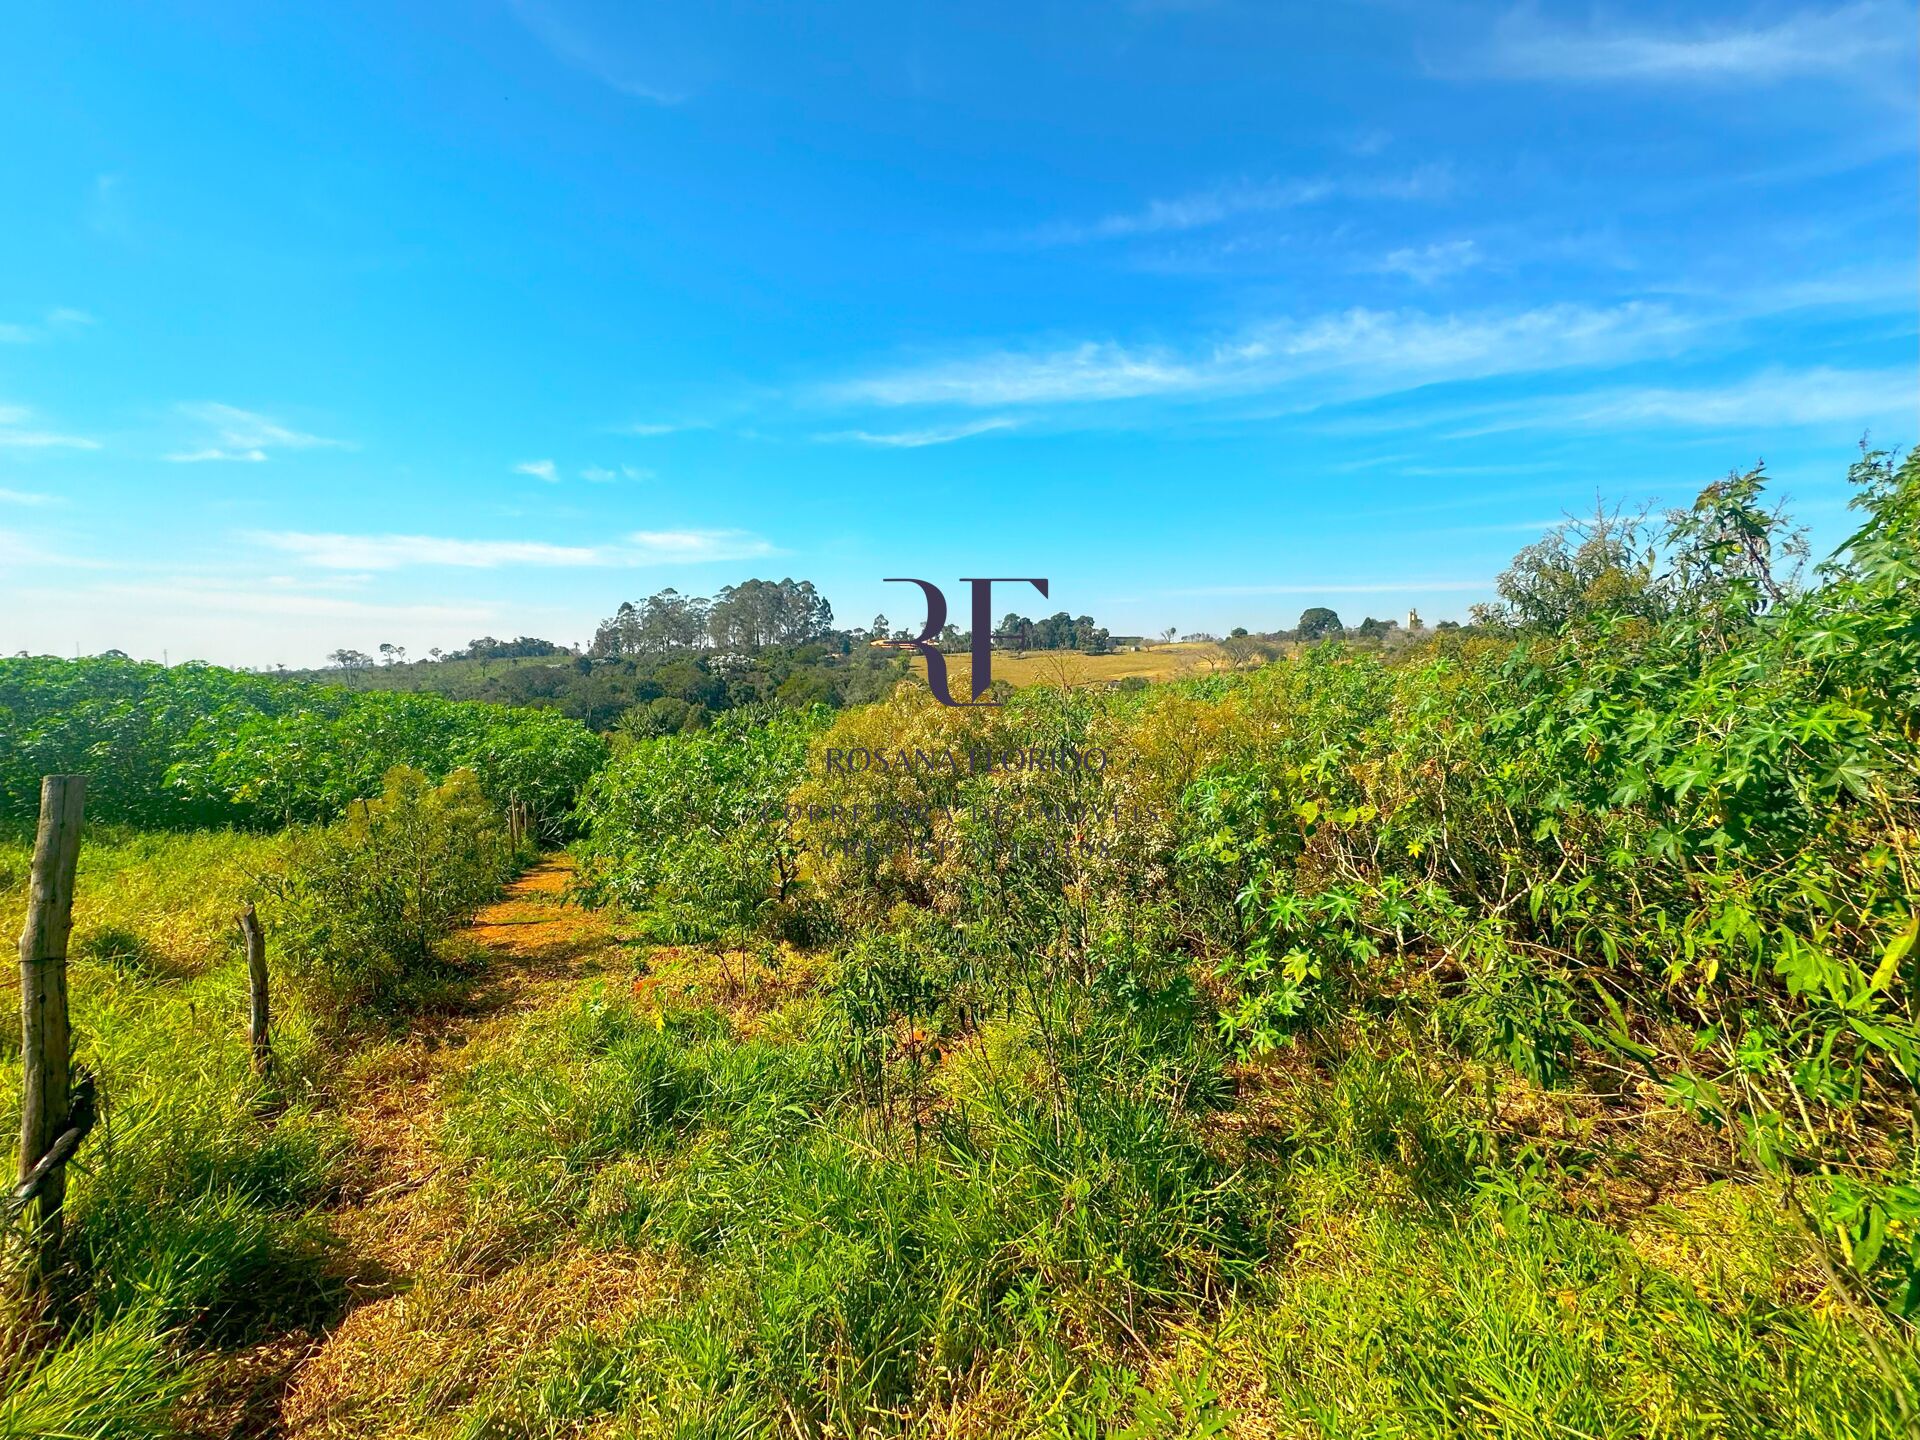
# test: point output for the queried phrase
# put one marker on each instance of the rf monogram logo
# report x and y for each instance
(982, 633)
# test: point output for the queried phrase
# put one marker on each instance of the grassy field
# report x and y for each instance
(1070, 667)
(194, 1215)
(616, 1188)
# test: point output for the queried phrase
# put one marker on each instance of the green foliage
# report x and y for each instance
(1318, 623)
(198, 745)
(1314, 1066)
(696, 829)
(363, 900)
(1624, 838)
(602, 688)
(1673, 834)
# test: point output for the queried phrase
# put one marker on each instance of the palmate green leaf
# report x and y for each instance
(1852, 776)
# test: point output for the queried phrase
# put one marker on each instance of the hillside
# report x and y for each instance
(1072, 667)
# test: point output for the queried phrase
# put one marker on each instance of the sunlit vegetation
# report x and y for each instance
(1506, 1033)
(199, 745)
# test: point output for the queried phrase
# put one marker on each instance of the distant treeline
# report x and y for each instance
(744, 618)
(654, 694)
(670, 662)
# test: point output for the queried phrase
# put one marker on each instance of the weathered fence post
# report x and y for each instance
(256, 942)
(44, 1041)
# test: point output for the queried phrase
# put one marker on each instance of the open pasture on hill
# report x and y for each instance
(1177, 661)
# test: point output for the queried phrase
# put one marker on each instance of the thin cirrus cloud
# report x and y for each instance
(17, 434)
(24, 497)
(918, 439)
(1231, 200)
(244, 436)
(1774, 397)
(632, 64)
(539, 470)
(1371, 587)
(1804, 42)
(61, 320)
(1349, 355)
(395, 552)
(1428, 264)
(651, 429)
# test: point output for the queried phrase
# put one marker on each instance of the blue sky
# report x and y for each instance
(333, 324)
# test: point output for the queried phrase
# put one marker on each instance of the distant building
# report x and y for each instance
(1413, 621)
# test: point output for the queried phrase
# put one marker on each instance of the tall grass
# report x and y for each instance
(190, 1211)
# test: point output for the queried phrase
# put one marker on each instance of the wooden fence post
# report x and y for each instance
(256, 942)
(44, 1041)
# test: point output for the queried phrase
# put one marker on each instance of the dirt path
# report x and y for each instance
(401, 1227)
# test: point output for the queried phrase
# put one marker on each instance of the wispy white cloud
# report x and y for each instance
(1426, 264)
(574, 42)
(654, 547)
(916, 439)
(14, 437)
(649, 428)
(1852, 287)
(58, 321)
(25, 497)
(203, 593)
(393, 552)
(1091, 370)
(1371, 587)
(236, 621)
(244, 436)
(1352, 354)
(606, 475)
(539, 470)
(217, 454)
(1804, 42)
(1233, 199)
(1770, 399)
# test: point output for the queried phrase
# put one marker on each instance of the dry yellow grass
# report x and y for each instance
(441, 1319)
(1070, 667)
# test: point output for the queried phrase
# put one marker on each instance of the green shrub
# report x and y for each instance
(694, 830)
(363, 900)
